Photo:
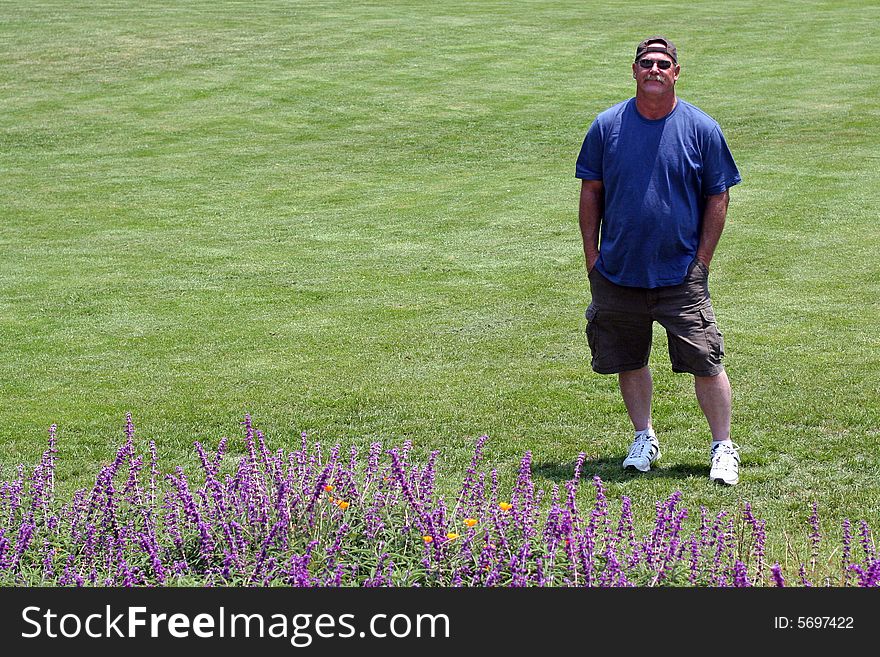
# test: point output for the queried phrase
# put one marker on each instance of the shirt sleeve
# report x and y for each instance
(589, 162)
(719, 169)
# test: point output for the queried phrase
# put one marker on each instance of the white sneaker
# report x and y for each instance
(644, 451)
(725, 464)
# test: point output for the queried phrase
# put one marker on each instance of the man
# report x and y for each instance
(655, 174)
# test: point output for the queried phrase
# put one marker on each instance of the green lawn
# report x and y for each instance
(358, 219)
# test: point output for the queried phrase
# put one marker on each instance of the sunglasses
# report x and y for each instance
(662, 64)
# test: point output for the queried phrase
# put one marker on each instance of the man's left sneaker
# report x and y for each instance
(725, 464)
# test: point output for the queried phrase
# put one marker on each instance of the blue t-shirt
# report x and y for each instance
(656, 175)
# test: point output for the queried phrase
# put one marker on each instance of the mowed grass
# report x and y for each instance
(358, 220)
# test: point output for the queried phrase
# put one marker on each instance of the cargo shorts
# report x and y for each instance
(620, 324)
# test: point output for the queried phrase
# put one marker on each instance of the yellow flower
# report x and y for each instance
(470, 522)
(505, 506)
(452, 536)
(427, 539)
(342, 504)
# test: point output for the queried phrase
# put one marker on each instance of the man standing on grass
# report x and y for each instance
(655, 175)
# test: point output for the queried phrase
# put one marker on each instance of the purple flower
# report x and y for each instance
(815, 536)
(802, 572)
(740, 575)
(846, 556)
(867, 541)
(776, 571)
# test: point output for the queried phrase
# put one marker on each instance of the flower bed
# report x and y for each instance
(309, 518)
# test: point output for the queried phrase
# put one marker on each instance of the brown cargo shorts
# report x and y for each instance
(620, 324)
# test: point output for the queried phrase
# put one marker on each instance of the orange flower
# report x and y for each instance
(470, 522)
(342, 504)
(452, 536)
(328, 488)
(427, 539)
(506, 506)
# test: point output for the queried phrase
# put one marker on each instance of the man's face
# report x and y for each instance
(655, 80)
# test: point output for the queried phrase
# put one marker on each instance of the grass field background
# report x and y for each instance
(359, 220)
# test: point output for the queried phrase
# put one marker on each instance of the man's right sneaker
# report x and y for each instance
(644, 451)
(725, 464)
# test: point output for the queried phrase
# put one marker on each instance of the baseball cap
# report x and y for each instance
(657, 44)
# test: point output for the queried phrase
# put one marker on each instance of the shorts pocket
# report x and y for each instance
(714, 337)
(592, 333)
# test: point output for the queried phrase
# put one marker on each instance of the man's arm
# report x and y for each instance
(590, 216)
(714, 216)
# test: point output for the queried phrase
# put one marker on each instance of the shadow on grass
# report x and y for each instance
(608, 469)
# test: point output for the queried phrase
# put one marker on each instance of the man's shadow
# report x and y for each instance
(609, 469)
